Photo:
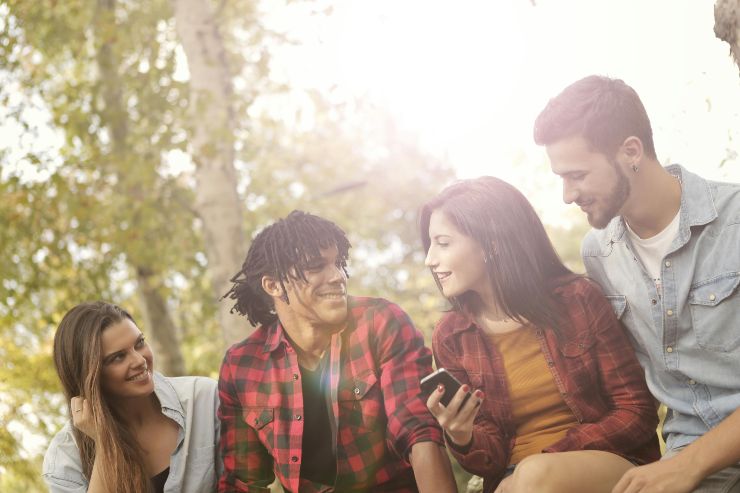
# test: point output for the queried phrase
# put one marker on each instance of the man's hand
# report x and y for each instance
(664, 476)
(456, 421)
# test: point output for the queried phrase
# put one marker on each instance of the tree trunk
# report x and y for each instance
(212, 150)
(157, 318)
(160, 326)
(727, 25)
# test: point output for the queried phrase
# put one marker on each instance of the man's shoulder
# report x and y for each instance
(363, 306)
(252, 345)
(595, 239)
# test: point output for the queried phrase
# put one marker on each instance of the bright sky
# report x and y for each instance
(469, 77)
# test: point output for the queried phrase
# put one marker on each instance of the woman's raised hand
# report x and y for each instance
(82, 417)
(457, 417)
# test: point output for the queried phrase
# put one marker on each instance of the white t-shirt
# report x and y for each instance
(652, 250)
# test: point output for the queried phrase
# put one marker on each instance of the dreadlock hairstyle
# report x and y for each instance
(282, 250)
(78, 360)
(521, 263)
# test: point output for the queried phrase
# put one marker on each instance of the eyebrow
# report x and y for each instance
(114, 353)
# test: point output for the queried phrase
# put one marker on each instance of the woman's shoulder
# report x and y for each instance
(576, 286)
(193, 386)
(62, 463)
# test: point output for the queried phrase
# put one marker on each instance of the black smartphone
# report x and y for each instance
(451, 384)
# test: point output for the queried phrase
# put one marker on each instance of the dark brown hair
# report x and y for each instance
(604, 111)
(78, 360)
(521, 262)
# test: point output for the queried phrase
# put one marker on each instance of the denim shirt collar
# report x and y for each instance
(697, 206)
(168, 399)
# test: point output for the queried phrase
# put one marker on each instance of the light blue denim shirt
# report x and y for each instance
(688, 341)
(195, 464)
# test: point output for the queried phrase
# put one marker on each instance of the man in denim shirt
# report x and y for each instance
(666, 251)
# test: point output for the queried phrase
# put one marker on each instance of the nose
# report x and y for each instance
(337, 274)
(139, 359)
(570, 194)
(430, 261)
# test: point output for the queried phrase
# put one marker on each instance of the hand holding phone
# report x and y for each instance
(451, 384)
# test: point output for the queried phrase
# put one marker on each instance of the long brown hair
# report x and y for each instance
(78, 361)
(521, 262)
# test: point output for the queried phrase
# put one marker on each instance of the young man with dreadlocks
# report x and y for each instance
(325, 393)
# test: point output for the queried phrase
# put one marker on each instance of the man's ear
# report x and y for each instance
(631, 152)
(272, 286)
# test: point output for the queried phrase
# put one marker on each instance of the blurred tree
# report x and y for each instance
(727, 25)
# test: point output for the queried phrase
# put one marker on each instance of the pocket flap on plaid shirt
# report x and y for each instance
(356, 388)
(258, 417)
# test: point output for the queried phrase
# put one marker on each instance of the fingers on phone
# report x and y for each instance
(433, 402)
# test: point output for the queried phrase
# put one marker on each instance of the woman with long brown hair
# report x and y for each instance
(560, 402)
(131, 429)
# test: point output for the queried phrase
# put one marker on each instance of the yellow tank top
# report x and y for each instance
(541, 417)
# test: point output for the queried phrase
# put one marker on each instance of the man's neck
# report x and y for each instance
(309, 341)
(654, 201)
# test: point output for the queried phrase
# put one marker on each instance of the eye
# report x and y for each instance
(140, 343)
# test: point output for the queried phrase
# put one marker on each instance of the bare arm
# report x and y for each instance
(432, 468)
(717, 449)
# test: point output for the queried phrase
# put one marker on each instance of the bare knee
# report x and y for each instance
(534, 474)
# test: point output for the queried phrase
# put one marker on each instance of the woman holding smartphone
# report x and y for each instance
(131, 429)
(560, 402)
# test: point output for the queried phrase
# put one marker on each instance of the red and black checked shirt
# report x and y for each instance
(594, 368)
(375, 366)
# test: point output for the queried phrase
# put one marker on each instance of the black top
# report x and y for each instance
(319, 461)
(159, 480)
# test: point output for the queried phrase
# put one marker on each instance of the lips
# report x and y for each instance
(333, 295)
(442, 276)
(139, 377)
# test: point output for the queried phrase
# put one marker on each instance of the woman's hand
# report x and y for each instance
(82, 417)
(456, 420)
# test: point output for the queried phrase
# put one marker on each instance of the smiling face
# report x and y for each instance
(456, 260)
(320, 300)
(594, 182)
(127, 363)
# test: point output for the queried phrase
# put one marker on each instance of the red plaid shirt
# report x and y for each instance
(375, 366)
(594, 368)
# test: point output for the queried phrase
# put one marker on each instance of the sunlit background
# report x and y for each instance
(462, 80)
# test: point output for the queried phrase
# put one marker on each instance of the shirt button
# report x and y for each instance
(712, 297)
(692, 382)
(294, 459)
(669, 349)
(295, 376)
(667, 263)
(654, 301)
(669, 312)
(298, 417)
(357, 391)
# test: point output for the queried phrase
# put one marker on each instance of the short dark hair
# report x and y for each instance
(604, 111)
(522, 264)
(282, 250)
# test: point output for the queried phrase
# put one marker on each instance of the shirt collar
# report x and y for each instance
(276, 333)
(167, 396)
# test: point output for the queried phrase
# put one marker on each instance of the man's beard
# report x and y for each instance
(613, 202)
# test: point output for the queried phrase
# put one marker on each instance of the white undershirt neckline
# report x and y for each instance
(652, 250)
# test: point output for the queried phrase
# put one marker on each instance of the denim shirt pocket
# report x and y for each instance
(715, 304)
(619, 304)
